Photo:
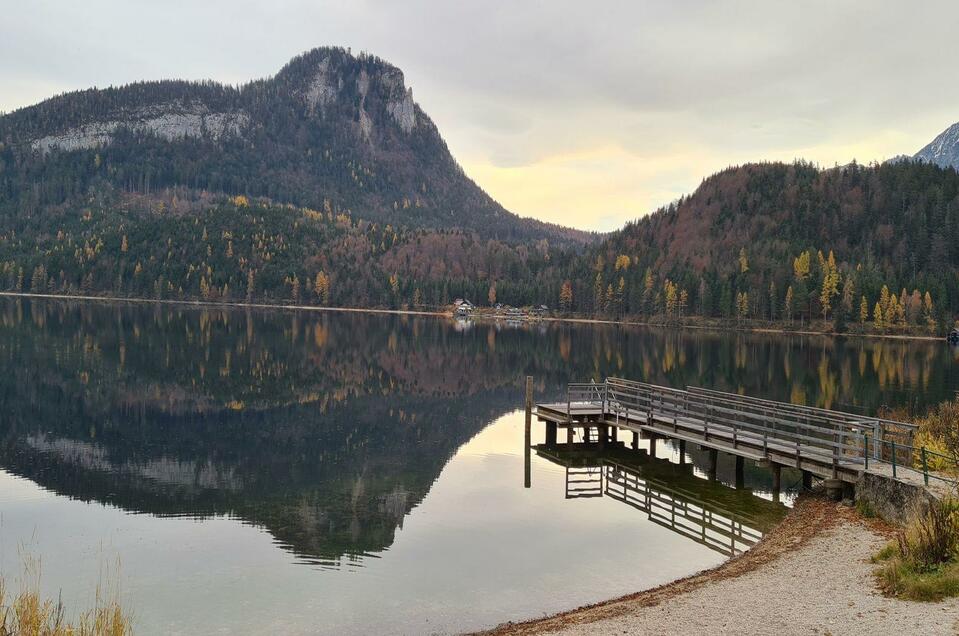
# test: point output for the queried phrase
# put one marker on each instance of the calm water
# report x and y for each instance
(265, 472)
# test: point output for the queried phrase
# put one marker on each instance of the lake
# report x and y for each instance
(257, 471)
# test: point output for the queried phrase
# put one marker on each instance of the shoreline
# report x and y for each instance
(481, 317)
(810, 574)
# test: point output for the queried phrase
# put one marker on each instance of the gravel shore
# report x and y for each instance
(809, 576)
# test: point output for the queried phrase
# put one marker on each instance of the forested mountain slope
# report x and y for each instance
(330, 131)
(765, 230)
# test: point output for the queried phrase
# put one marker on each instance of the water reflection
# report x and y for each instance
(727, 520)
(328, 429)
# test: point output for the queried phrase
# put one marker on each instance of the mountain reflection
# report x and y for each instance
(328, 428)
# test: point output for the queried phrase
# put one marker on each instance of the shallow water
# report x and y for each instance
(264, 472)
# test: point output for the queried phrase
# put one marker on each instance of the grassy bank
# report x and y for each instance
(922, 564)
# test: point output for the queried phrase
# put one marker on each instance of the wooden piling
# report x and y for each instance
(652, 446)
(713, 465)
(528, 437)
(682, 452)
(777, 480)
(740, 473)
(635, 440)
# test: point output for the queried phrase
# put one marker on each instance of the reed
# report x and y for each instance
(28, 613)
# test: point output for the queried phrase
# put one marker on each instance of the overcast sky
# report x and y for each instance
(582, 113)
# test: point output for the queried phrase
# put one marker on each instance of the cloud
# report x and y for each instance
(609, 109)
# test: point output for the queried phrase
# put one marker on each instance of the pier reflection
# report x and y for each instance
(726, 520)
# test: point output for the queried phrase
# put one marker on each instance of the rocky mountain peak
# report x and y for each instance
(943, 150)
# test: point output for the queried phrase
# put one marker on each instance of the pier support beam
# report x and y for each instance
(614, 434)
(603, 434)
(635, 440)
(777, 480)
(713, 465)
(682, 452)
(740, 473)
(652, 446)
(569, 435)
(551, 433)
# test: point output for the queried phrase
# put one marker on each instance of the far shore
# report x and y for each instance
(481, 316)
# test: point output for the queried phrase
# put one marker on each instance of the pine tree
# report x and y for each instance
(877, 319)
(249, 286)
(788, 304)
(863, 311)
(599, 299)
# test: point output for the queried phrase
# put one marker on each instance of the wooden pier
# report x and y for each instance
(832, 445)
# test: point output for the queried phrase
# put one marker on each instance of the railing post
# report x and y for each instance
(925, 467)
(605, 396)
(893, 457)
(865, 449)
(569, 408)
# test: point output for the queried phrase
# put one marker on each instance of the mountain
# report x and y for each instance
(943, 150)
(751, 233)
(329, 131)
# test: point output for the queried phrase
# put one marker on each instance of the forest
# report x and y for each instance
(851, 247)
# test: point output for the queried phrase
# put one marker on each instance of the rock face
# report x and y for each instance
(172, 122)
(943, 150)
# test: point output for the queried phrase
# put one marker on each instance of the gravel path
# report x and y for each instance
(810, 576)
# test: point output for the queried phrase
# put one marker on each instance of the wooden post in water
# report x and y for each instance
(713, 464)
(740, 473)
(682, 452)
(635, 440)
(527, 462)
(777, 480)
(652, 446)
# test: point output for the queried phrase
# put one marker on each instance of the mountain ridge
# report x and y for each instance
(327, 127)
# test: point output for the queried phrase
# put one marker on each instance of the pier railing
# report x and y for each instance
(822, 435)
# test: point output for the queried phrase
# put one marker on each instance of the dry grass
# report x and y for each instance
(29, 614)
(922, 564)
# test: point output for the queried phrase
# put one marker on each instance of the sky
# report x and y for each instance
(588, 114)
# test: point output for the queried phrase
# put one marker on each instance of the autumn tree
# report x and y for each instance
(877, 318)
(648, 283)
(830, 283)
(927, 311)
(863, 311)
(321, 287)
(566, 296)
(491, 294)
